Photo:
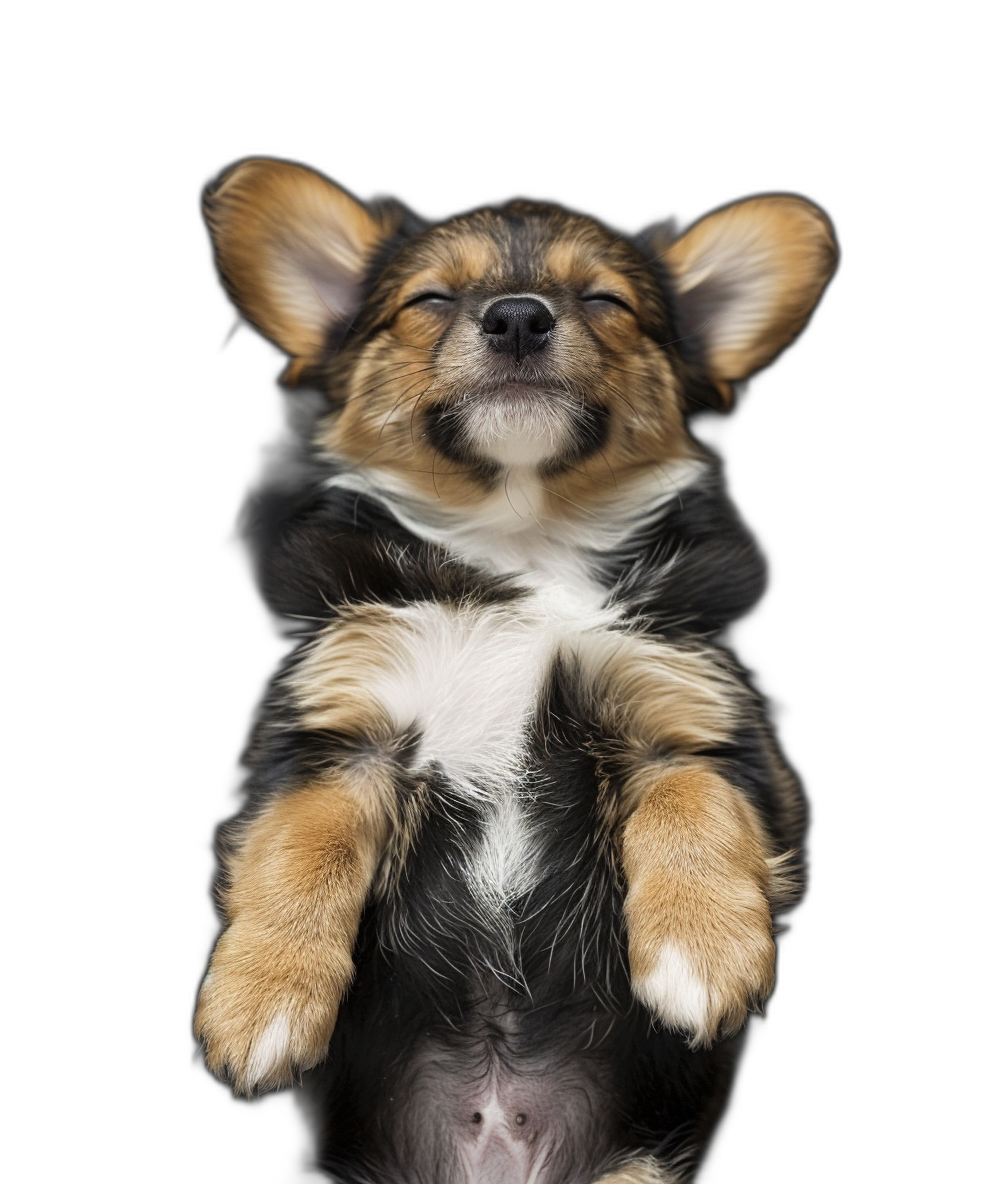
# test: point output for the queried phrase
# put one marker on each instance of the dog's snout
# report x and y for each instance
(518, 325)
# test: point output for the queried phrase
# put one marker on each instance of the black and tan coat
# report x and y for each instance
(517, 828)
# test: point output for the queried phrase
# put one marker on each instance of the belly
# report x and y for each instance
(497, 1115)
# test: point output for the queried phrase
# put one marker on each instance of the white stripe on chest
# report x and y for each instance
(469, 679)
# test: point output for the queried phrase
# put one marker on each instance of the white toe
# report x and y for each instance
(675, 992)
(270, 1049)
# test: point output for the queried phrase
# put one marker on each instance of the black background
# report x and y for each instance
(808, 452)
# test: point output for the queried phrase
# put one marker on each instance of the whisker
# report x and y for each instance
(612, 389)
(325, 304)
(446, 472)
(570, 501)
(398, 403)
(373, 388)
(416, 404)
(507, 474)
(686, 336)
(601, 452)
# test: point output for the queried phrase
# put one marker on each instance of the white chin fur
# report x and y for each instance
(675, 992)
(519, 430)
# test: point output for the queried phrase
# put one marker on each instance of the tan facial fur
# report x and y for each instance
(297, 254)
(296, 885)
(697, 911)
(426, 357)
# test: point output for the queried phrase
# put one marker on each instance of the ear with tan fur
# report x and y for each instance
(747, 278)
(293, 250)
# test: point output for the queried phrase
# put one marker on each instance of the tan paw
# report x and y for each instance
(698, 918)
(265, 1011)
(705, 991)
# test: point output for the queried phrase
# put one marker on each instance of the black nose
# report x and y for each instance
(517, 325)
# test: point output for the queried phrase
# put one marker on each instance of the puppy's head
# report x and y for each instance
(523, 337)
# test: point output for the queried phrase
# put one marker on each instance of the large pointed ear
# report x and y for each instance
(746, 279)
(293, 251)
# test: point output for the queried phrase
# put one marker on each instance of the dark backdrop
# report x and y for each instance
(803, 454)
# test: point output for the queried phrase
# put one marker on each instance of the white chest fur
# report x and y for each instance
(468, 679)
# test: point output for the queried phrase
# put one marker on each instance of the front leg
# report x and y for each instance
(697, 908)
(295, 887)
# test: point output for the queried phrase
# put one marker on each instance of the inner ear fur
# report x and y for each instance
(293, 249)
(747, 278)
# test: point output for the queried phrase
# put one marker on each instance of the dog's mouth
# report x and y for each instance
(515, 394)
(514, 424)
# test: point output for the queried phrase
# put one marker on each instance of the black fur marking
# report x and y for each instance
(444, 428)
(316, 549)
(694, 569)
(754, 764)
(283, 754)
(590, 429)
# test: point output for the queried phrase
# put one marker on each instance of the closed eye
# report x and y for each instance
(606, 298)
(433, 298)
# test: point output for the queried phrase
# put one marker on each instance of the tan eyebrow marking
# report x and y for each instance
(569, 262)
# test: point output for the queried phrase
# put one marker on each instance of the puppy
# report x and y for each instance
(517, 827)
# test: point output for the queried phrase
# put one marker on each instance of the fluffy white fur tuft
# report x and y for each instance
(270, 1049)
(675, 992)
